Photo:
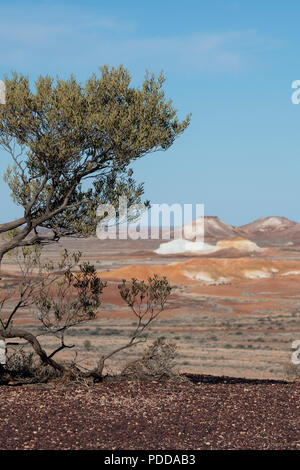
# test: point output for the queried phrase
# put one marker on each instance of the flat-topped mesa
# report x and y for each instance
(212, 228)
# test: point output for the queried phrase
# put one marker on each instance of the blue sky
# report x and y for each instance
(230, 63)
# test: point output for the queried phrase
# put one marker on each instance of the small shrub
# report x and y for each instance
(157, 363)
(292, 371)
(21, 365)
(87, 345)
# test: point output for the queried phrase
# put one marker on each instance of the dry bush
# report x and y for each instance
(157, 363)
(292, 371)
(21, 365)
(64, 299)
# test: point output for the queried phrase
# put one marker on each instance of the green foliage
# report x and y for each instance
(149, 295)
(146, 300)
(72, 299)
(71, 145)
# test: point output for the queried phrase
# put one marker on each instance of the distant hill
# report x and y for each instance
(214, 228)
(272, 230)
(268, 224)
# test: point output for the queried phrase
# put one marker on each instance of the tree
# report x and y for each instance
(72, 145)
(64, 299)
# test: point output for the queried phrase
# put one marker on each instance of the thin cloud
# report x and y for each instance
(200, 52)
(55, 21)
(69, 38)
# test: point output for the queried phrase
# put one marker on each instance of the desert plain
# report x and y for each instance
(233, 311)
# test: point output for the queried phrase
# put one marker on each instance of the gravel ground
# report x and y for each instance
(208, 413)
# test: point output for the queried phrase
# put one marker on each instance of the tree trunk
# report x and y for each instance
(17, 333)
(95, 374)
